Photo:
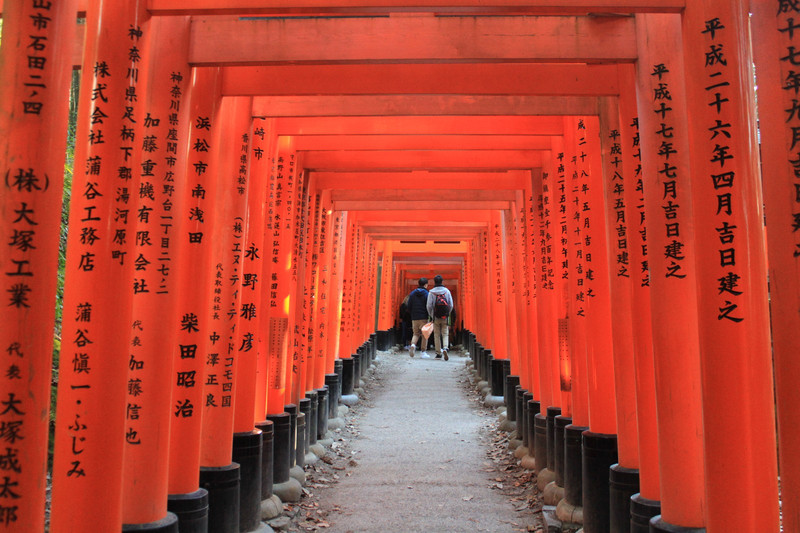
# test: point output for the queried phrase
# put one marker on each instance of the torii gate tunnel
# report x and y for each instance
(258, 184)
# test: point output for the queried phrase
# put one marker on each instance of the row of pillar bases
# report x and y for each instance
(576, 469)
(267, 462)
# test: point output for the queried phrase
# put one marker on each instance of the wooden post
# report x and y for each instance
(195, 281)
(775, 39)
(324, 292)
(548, 276)
(614, 184)
(386, 309)
(228, 239)
(638, 267)
(93, 388)
(280, 256)
(668, 203)
(741, 470)
(261, 161)
(336, 299)
(497, 292)
(572, 347)
(162, 129)
(249, 404)
(35, 69)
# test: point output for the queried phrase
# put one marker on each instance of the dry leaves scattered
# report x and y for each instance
(503, 471)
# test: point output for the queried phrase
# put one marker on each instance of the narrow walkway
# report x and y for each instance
(421, 464)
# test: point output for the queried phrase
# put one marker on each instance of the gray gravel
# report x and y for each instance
(421, 457)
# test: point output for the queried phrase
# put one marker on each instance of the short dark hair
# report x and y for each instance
(423, 282)
(437, 280)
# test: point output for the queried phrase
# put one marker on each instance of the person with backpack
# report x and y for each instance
(417, 308)
(440, 305)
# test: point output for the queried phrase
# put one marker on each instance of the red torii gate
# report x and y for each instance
(673, 89)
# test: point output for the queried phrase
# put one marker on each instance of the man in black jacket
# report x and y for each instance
(417, 307)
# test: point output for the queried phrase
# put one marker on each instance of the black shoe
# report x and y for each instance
(438, 356)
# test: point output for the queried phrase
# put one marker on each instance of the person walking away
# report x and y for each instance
(417, 308)
(439, 306)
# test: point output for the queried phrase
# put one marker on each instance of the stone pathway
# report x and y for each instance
(420, 462)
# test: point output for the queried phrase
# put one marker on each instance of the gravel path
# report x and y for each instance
(420, 456)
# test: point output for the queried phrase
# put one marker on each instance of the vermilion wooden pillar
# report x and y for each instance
(386, 309)
(624, 474)
(741, 470)
(323, 292)
(35, 69)
(91, 430)
(349, 248)
(668, 202)
(775, 39)
(528, 346)
(497, 291)
(249, 405)
(371, 290)
(640, 292)
(591, 207)
(257, 281)
(298, 313)
(571, 242)
(280, 257)
(313, 270)
(548, 276)
(228, 254)
(336, 299)
(531, 262)
(600, 442)
(195, 282)
(510, 280)
(159, 227)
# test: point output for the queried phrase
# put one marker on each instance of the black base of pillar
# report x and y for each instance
(307, 409)
(561, 423)
(488, 361)
(292, 410)
(510, 397)
(356, 370)
(266, 458)
(623, 484)
(191, 510)
(313, 417)
(642, 510)
(322, 412)
(247, 452)
(334, 384)
(657, 525)
(599, 453)
(222, 484)
(168, 524)
(383, 340)
(533, 409)
(521, 412)
(348, 374)
(498, 382)
(573, 467)
(300, 444)
(338, 368)
(552, 413)
(540, 441)
(281, 427)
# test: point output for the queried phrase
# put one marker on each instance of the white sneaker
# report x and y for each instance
(425, 353)
(411, 350)
(444, 353)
